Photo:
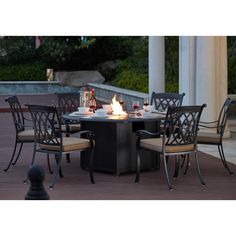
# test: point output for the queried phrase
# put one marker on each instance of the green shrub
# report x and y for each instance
(172, 87)
(23, 72)
(131, 80)
(231, 46)
(17, 50)
(231, 75)
(132, 72)
(171, 63)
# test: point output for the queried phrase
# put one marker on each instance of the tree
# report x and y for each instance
(17, 50)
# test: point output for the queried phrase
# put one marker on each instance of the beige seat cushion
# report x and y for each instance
(26, 135)
(155, 144)
(69, 144)
(72, 128)
(204, 137)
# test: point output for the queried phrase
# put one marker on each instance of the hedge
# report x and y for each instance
(24, 72)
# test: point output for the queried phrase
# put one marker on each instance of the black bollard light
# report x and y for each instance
(36, 191)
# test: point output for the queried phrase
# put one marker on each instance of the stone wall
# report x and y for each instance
(78, 78)
(34, 87)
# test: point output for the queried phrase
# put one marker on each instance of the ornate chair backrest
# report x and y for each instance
(162, 101)
(17, 113)
(223, 116)
(182, 125)
(68, 102)
(47, 126)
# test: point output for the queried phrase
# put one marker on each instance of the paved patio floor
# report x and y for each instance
(76, 185)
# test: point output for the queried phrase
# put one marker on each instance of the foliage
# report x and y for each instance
(58, 52)
(17, 50)
(72, 53)
(26, 62)
(172, 87)
(132, 72)
(112, 47)
(133, 69)
(104, 48)
(231, 42)
(108, 69)
(27, 72)
(127, 56)
(172, 63)
(130, 79)
(19, 60)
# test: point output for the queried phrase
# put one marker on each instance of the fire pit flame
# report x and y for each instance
(117, 108)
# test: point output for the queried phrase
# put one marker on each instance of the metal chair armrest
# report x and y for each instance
(140, 133)
(88, 133)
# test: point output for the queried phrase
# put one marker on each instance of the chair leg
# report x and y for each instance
(60, 171)
(222, 156)
(187, 165)
(68, 158)
(167, 159)
(222, 159)
(167, 175)
(12, 157)
(183, 161)
(137, 167)
(68, 154)
(176, 166)
(198, 169)
(49, 165)
(91, 165)
(18, 154)
(57, 171)
(33, 158)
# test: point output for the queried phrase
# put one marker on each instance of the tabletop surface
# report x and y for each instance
(114, 118)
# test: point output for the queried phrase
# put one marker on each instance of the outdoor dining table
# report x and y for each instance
(115, 141)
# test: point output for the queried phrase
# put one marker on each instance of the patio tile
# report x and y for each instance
(76, 185)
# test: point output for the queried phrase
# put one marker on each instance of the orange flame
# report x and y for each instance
(117, 108)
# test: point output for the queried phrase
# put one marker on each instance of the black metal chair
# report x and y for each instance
(182, 129)
(23, 135)
(49, 138)
(162, 101)
(67, 103)
(216, 137)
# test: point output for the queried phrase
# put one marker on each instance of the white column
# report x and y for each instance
(211, 74)
(221, 71)
(156, 64)
(187, 69)
(203, 73)
(205, 76)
